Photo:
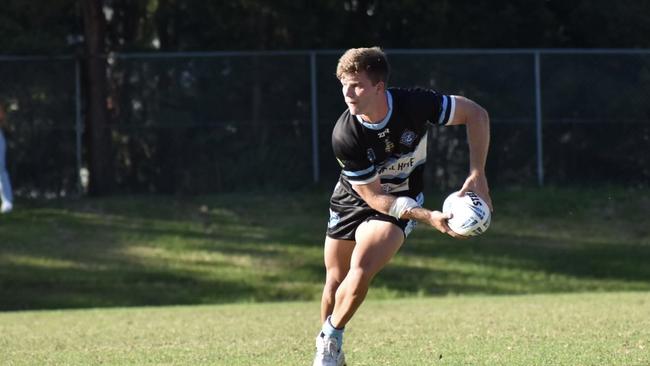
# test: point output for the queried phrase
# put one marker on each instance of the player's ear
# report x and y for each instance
(380, 86)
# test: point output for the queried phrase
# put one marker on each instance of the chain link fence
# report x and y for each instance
(40, 94)
(223, 121)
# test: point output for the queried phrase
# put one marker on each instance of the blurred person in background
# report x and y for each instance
(5, 186)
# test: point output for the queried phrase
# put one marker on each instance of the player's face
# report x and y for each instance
(360, 94)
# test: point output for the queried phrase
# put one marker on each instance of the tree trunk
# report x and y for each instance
(98, 136)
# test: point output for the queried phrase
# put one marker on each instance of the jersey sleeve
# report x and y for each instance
(356, 165)
(431, 106)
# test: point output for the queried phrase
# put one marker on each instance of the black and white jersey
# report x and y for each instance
(395, 149)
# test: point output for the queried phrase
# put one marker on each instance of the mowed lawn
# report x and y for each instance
(561, 278)
(157, 250)
(560, 329)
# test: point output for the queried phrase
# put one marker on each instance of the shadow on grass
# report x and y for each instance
(574, 257)
(132, 252)
(515, 265)
(49, 288)
(75, 258)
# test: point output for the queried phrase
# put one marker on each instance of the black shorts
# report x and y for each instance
(348, 211)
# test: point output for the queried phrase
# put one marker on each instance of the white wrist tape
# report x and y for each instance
(402, 205)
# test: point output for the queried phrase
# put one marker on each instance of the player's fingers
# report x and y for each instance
(489, 202)
(442, 217)
(458, 236)
(440, 222)
(455, 235)
(447, 230)
(444, 228)
(486, 197)
(464, 189)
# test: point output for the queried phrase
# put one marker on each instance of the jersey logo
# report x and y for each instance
(383, 133)
(371, 155)
(407, 139)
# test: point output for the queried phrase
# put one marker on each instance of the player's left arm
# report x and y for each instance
(477, 121)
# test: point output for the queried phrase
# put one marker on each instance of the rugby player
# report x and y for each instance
(380, 141)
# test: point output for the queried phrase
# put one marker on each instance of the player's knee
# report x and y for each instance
(329, 296)
(336, 274)
(331, 285)
(360, 276)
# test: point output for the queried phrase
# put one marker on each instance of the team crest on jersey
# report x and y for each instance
(408, 137)
(371, 155)
(390, 146)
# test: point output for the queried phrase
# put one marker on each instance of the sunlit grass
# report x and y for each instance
(144, 250)
(555, 330)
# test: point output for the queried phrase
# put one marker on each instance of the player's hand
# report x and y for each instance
(438, 220)
(477, 183)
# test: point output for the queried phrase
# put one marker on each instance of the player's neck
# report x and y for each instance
(378, 112)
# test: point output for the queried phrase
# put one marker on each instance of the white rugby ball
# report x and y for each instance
(471, 215)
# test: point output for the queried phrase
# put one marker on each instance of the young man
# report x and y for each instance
(380, 143)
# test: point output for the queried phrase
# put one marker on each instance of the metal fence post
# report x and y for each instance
(314, 117)
(538, 120)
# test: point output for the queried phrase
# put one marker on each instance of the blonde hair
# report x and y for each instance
(371, 60)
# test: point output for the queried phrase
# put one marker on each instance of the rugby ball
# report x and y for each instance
(471, 215)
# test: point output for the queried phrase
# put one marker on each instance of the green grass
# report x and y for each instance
(143, 250)
(571, 329)
(507, 303)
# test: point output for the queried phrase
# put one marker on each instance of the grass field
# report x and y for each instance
(143, 250)
(577, 329)
(561, 278)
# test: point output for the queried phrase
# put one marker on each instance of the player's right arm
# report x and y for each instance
(385, 203)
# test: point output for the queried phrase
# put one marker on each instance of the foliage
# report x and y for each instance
(183, 126)
(183, 25)
(27, 27)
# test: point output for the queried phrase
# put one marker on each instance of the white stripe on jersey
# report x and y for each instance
(453, 108)
(358, 173)
(365, 181)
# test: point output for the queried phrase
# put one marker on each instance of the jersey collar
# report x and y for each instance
(384, 122)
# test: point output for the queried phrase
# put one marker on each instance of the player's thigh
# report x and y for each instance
(377, 242)
(337, 254)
